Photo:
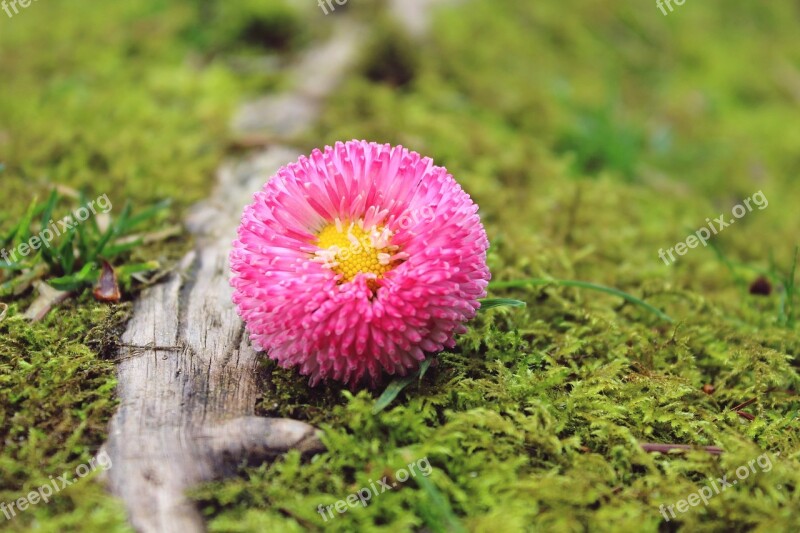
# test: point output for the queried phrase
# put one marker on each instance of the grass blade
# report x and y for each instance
(23, 234)
(491, 303)
(66, 252)
(438, 515)
(397, 385)
(114, 230)
(49, 207)
(86, 276)
(146, 214)
(116, 249)
(517, 284)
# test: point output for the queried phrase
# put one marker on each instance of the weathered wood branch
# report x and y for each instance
(187, 375)
(186, 369)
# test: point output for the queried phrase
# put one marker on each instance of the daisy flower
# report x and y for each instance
(358, 261)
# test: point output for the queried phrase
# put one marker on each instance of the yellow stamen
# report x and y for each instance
(350, 249)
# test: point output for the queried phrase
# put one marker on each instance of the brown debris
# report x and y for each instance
(761, 286)
(665, 448)
(48, 298)
(107, 287)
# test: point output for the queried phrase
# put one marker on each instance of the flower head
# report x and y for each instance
(357, 261)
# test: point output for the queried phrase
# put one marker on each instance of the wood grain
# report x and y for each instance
(187, 375)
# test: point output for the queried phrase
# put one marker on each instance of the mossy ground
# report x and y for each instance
(131, 100)
(592, 135)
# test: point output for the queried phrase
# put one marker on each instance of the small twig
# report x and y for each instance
(47, 299)
(738, 409)
(743, 404)
(666, 448)
(783, 391)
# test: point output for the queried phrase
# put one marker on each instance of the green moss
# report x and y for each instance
(592, 136)
(534, 421)
(119, 101)
(57, 401)
(123, 100)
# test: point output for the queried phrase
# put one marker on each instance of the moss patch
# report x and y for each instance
(57, 400)
(129, 100)
(592, 137)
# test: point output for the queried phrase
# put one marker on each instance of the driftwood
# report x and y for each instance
(186, 369)
(187, 376)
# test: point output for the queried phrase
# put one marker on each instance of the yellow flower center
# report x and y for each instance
(350, 249)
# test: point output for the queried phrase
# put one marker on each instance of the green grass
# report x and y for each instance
(73, 261)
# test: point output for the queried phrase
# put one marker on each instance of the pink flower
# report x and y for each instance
(357, 261)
